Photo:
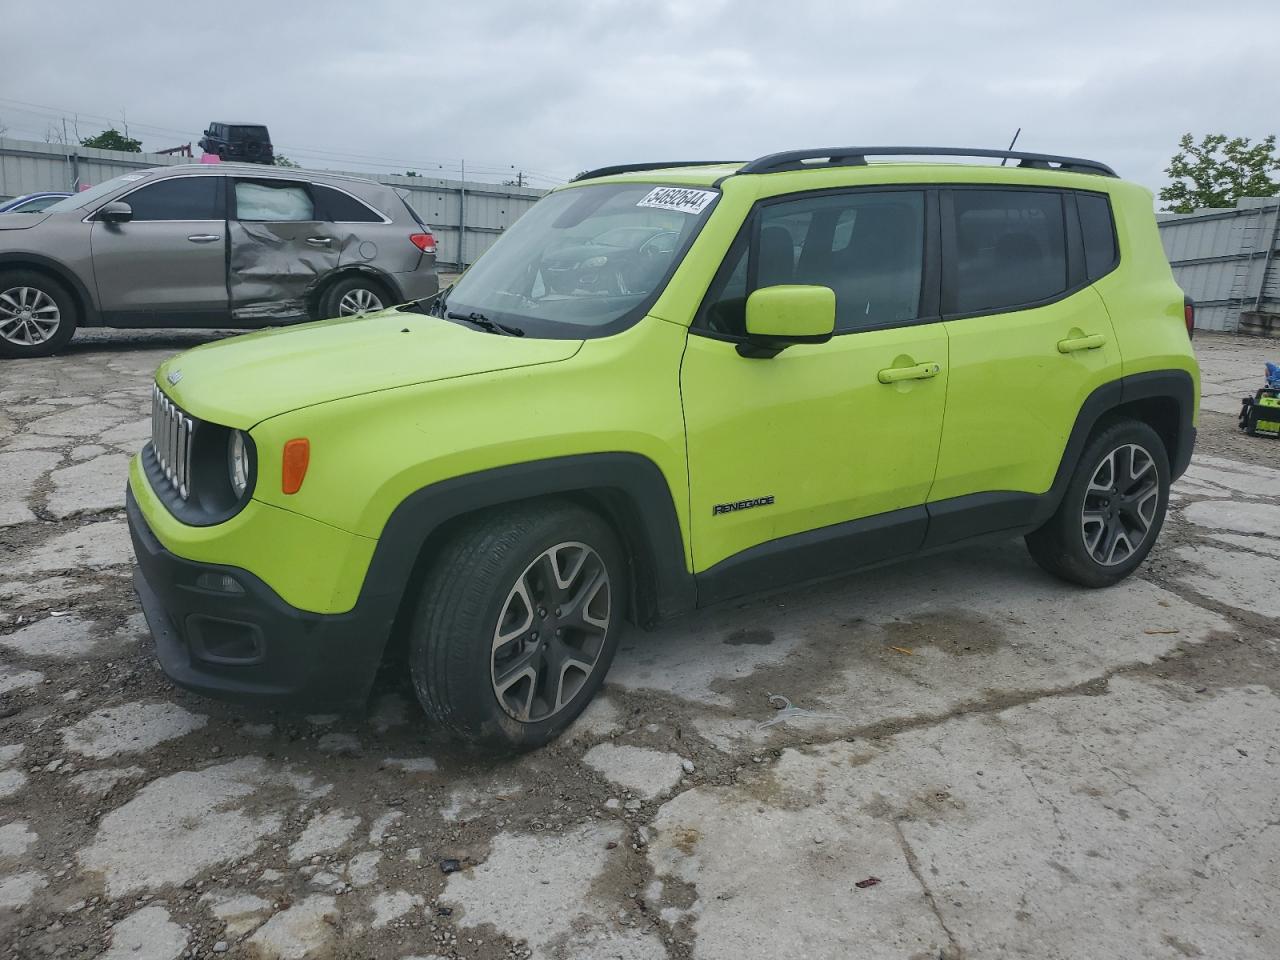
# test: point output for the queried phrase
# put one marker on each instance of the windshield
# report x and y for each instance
(78, 200)
(585, 256)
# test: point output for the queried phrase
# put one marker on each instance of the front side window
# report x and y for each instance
(1009, 249)
(586, 256)
(868, 247)
(181, 198)
(270, 201)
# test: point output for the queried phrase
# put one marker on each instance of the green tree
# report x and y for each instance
(113, 139)
(283, 161)
(1218, 171)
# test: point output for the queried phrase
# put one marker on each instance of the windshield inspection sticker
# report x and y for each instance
(680, 199)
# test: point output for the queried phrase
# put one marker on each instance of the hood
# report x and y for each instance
(244, 380)
(22, 221)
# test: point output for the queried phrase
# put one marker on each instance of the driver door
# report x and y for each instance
(167, 266)
(809, 463)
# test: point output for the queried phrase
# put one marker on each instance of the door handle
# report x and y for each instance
(921, 371)
(319, 241)
(1081, 343)
(204, 238)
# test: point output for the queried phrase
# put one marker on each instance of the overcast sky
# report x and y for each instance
(556, 86)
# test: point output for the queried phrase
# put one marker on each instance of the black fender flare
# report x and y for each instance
(1170, 385)
(630, 489)
(88, 307)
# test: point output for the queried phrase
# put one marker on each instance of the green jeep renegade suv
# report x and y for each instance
(666, 385)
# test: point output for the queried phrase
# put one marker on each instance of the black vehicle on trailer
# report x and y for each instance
(245, 142)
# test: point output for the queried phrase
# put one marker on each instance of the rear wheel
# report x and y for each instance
(354, 297)
(1112, 511)
(37, 314)
(518, 623)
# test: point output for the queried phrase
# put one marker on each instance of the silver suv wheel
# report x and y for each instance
(28, 316)
(1120, 504)
(551, 631)
(358, 301)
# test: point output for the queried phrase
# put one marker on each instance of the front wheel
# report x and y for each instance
(518, 623)
(37, 314)
(1112, 511)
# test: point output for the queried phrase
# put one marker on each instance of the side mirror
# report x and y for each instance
(117, 211)
(782, 316)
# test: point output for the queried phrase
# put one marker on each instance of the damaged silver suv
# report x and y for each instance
(208, 245)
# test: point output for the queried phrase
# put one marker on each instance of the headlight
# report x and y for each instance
(592, 263)
(238, 463)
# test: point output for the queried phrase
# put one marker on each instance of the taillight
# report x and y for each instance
(1189, 315)
(425, 242)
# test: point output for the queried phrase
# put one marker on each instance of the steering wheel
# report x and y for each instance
(651, 248)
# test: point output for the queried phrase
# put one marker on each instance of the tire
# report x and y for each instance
(38, 315)
(343, 297)
(494, 624)
(1121, 527)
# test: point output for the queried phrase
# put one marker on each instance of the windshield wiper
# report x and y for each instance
(484, 323)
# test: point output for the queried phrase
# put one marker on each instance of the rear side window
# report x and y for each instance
(339, 207)
(1008, 249)
(183, 198)
(273, 202)
(1098, 232)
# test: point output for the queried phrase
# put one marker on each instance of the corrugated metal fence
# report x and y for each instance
(1225, 260)
(472, 211)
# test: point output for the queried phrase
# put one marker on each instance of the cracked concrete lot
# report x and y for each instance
(974, 760)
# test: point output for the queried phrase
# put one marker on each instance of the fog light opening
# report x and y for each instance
(219, 583)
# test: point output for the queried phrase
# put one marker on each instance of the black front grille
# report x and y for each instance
(171, 433)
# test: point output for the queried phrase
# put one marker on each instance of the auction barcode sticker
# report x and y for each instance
(680, 199)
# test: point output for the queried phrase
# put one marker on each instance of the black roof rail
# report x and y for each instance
(637, 167)
(857, 157)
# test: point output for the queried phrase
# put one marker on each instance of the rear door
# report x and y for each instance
(1030, 339)
(281, 249)
(168, 265)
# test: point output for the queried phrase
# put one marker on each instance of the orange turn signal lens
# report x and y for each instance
(297, 455)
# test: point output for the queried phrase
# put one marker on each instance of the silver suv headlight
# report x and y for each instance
(238, 463)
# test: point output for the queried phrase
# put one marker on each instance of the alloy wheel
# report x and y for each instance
(1120, 504)
(550, 632)
(358, 301)
(28, 316)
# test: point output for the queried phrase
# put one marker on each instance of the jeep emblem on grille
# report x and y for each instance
(174, 377)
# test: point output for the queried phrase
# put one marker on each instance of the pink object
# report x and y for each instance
(210, 158)
(85, 186)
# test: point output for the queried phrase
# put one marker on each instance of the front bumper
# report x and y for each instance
(251, 646)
